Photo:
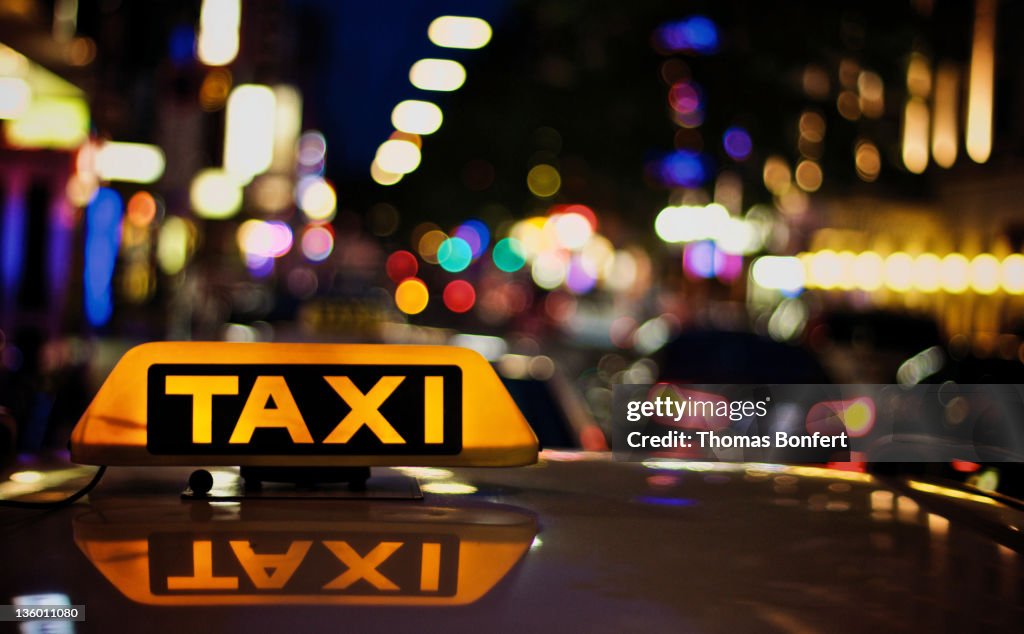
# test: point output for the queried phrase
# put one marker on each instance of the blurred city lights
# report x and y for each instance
(459, 296)
(173, 245)
(429, 244)
(316, 198)
(868, 271)
(685, 97)
(60, 123)
(442, 75)
(416, 117)
(549, 270)
(15, 97)
(454, 255)
(383, 177)
(271, 193)
(985, 274)
(398, 156)
(682, 168)
(412, 296)
(944, 118)
(955, 273)
(915, 135)
(808, 176)
(776, 175)
(311, 150)
(214, 91)
(452, 31)
(543, 181)
(476, 234)
(508, 255)
(690, 223)
(597, 256)
(142, 209)
(287, 126)
(265, 239)
(249, 131)
(572, 230)
(579, 278)
(900, 272)
(102, 236)
(871, 92)
(401, 265)
(867, 160)
(737, 143)
(1012, 277)
(215, 195)
(782, 273)
(696, 34)
(129, 162)
(219, 21)
(980, 82)
(317, 243)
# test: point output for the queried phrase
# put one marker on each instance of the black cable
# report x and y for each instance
(74, 497)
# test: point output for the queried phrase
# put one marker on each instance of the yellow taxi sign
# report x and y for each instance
(331, 555)
(302, 405)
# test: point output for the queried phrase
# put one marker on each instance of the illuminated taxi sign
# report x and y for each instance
(264, 409)
(350, 556)
(302, 405)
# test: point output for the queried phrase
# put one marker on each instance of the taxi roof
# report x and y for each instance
(597, 545)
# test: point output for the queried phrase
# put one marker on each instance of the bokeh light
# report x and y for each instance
(985, 274)
(442, 75)
(401, 265)
(398, 156)
(454, 255)
(476, 234)
(416, 117)
(572, 230)
(264, 239)
(412, 296)
(316, 198)
(317, 243)
(215, 195)
(737, 144)
(429, 243)
(459, 296)
(1013, 274)
(456, 31)
(544, 181)
(578, 278)
(382, 176)
(508, 255)
(956, 274)
(142, 209)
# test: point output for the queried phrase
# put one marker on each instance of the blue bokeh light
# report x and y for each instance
(102, 239)
(683, 168)
(737, 143)
(696, 34)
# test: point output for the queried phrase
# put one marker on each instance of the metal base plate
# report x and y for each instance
(385, 485)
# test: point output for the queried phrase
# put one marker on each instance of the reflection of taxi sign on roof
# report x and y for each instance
(332, 555)
(302, 405)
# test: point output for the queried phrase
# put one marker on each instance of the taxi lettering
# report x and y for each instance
(381, 566)
(295, 409)
(270, 405)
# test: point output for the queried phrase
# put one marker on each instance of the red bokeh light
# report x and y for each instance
(401, 265)
(459, 296)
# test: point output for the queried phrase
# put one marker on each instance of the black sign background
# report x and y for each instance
(169, 426)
